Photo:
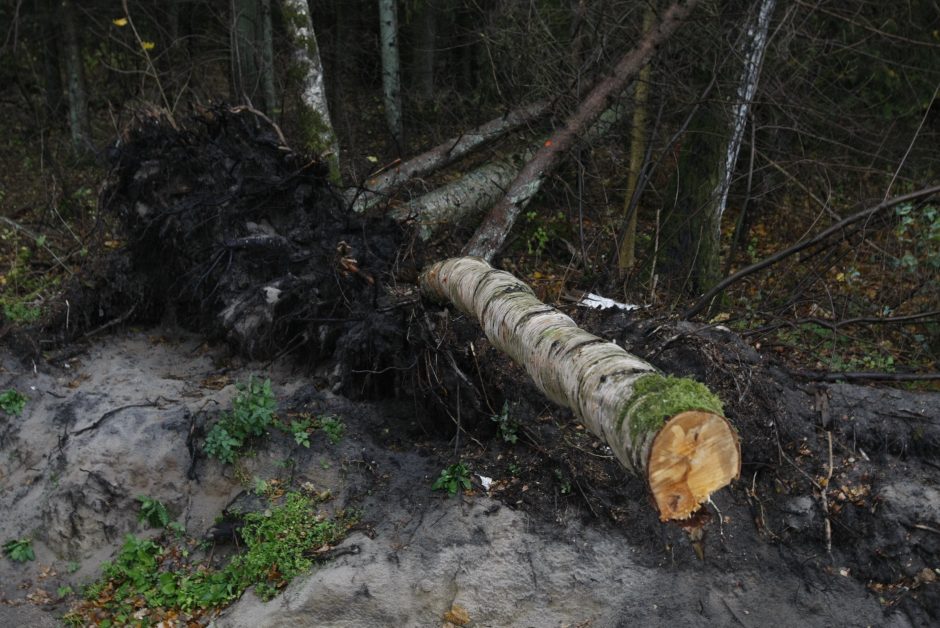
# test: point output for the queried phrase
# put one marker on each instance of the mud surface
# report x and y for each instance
(562, 536)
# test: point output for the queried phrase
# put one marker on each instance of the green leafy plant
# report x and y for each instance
(19, 550)
(508, 428)
(453, 478)
(301, 432)
(563, 482)
(252, 413)
(333, 427)
(12, 402)
(279, 545)
(153, 512)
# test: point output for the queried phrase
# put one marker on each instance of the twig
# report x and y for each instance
(913, 140)
(153, 68)
(703, 302)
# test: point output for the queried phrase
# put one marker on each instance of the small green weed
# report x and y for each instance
(301, 431)
(333, 427)
(153, 512)
(453, 478)
(508, 428)
(252, 413)
(19, 550)
(64, 591)
(20, 312)
(12, 402)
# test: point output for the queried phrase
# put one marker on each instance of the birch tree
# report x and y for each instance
(315, 113)
(669, 431)
(391, 67)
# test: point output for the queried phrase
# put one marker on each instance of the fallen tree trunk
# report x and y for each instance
(377, 188)
(470, 195)
(491, 234)
(667, 430)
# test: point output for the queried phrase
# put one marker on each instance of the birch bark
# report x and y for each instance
(316, 124)
(667, 430)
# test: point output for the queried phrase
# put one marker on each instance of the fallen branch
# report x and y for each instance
(667, 430)
(491, 234)
(702, 303)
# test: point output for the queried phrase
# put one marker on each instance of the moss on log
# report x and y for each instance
(667, 430)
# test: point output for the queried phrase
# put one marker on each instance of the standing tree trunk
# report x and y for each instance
(424, 52)
(315, 113)
(50, 60)
(243, 50)
(491, 234)
(667, 430)
(692, 236)
(627, 258)
(391, 67)
(267, 59)
(747, 87)
(75, 75)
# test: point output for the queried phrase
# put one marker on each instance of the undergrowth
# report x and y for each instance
(157, 581)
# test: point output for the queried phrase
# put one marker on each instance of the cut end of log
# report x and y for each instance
(693, 455)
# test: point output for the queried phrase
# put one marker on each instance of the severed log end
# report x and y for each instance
(693, 455)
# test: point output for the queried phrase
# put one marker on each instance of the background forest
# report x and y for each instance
(756, 127)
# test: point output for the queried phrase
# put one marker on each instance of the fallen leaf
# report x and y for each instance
(457, 615)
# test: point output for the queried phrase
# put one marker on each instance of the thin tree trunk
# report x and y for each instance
(747, 87)
(491, 234)
(391, 67)
(377, 188)
(245, 75)
(424, 53)
(50, 59)
(669, 431)
(78, 98)
(267, 59)
(627, 257)
(315, 114)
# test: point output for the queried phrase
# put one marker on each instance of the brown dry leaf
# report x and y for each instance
(457, 615)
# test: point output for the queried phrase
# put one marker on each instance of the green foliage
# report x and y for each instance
(453, 478)
(279, 544)
(301, 431)
(252, 413)
(564, 484)
(333, 427)
(542, 231)
(153, 512)
(19, 550)
(12, 402)
(508, 428)
(20, 312)
(919, 232)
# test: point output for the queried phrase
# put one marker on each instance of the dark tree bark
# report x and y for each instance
(491, 235)
(246, 77)
(78, 97)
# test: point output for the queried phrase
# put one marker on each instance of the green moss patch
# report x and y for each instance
(657, 398)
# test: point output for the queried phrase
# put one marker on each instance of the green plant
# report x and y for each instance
(508, 429)
(19, 550)
(73, 566)
(252, 413)
(153, 512)
(64, 591)
(301, 432)
(564, 483)
(20, 312)
(146, 575)
(453, 478)
(333, 427)
(12, 402)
